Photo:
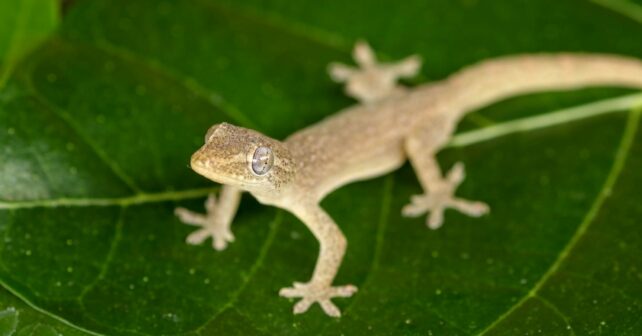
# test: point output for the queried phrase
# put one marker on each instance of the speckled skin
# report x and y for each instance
(392, 124)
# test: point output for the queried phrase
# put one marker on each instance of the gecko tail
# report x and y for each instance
(496, 79)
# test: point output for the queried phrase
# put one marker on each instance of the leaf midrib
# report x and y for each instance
(135, 199)
(464, 139)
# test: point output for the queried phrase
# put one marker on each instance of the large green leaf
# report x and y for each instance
(98, 124)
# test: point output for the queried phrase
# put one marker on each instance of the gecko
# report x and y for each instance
(390, 124)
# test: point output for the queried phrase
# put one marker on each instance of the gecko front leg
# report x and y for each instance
(439, 192)
(333, 245)
(216, 222)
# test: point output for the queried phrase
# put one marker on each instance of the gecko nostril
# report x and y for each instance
(196, 160)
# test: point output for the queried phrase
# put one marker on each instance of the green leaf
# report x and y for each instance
(23, 24)
(97, 127)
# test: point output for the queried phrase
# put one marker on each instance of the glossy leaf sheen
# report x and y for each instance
(98, 124)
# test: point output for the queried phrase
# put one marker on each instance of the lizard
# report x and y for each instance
(390, 124)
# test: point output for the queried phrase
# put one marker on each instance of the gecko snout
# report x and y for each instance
(197, 161)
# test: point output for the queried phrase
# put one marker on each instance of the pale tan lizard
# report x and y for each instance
(391, 124)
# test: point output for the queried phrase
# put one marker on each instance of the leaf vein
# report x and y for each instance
(623, 7)
(460, 140)
(557, 312)
(553, 118)
(189, 83)
(275, 22)
(64, 117)
(108, 259)
(274, 228)
(136, 199)
(386, 203)
(616, 169)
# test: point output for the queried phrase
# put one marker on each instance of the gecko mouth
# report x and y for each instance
(216, 172)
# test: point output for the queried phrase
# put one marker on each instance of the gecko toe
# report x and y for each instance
(219, 244)
(470, 208)
(418, 206)
(344, 291)
(330, 308)
(457, 174)
(302, 306)
(197, 237)
(436, 218)
(437, 202)
(311, 293)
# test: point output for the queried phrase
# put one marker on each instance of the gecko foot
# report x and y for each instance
(441, 197)
(311, 293)
(372, 81)
(211, 225)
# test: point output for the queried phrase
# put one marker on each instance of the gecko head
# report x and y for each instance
(244, 158)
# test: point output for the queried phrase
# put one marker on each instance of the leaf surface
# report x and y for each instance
(97, 126)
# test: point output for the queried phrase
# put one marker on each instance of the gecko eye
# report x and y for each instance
(262, 160)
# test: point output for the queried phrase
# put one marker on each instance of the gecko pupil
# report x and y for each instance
(262, 160)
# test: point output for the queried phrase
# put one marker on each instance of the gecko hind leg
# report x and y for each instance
(440, 197)
(439, 191)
